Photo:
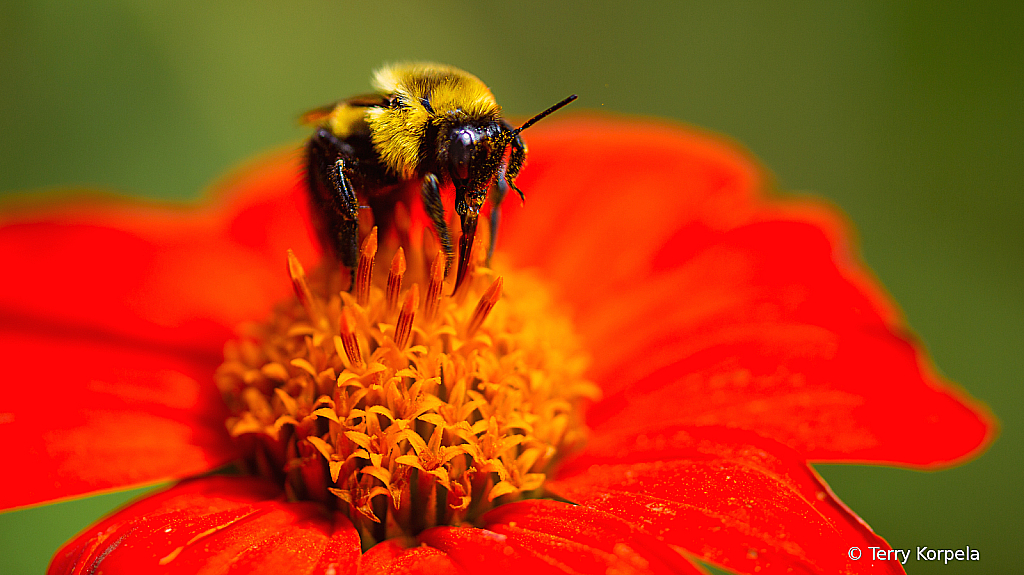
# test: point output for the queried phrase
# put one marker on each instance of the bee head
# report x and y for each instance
(474, 154)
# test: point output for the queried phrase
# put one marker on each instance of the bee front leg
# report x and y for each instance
(505, 181)
(431, 195)
(467, 205)
(333, 201)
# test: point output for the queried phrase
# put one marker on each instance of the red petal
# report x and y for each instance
(853, 398)
(703, 303)
(390, 558)
(775, 339)
(177, 277)
(603, 195)
(81, 413)
(482, 551)
(551, 537)
(214, 525)
(116, 322)
(585, 539)
(728, 496)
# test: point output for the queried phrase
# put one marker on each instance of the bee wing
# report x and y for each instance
(318, 115)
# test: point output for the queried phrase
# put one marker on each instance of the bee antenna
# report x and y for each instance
(543, 115)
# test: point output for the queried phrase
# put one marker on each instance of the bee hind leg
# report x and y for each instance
(346, 234)
(333, 201)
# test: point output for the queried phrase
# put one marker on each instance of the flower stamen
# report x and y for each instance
(430, 418)
(347, 335)
(301, 287)
(403, 329)
(483, 307)
(364, 271)
(395, 280)
(433, 299)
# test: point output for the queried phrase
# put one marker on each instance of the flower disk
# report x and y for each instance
(407, 412)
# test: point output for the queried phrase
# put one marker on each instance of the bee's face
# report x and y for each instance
(474, 153)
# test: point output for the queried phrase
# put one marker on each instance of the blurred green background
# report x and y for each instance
(907, 115)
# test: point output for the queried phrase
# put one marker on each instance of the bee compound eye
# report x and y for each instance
(460, 152)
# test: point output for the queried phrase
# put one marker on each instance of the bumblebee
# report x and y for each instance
(426, 125)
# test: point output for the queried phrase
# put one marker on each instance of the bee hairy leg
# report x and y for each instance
(504, 182)
(347, 234)
(333, 201)
(431, 196)
(514, 165)
(516, 158)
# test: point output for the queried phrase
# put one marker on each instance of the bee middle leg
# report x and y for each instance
(497, 195)
(431, 195)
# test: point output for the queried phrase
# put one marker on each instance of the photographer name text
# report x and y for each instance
(921, 553)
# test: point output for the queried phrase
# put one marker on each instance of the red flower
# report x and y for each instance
(734, 337)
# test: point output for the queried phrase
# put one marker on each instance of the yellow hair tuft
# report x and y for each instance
(427, 93)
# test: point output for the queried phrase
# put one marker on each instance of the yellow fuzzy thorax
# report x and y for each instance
(452, 95)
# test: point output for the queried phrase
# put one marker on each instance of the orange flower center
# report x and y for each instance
(407, 411)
